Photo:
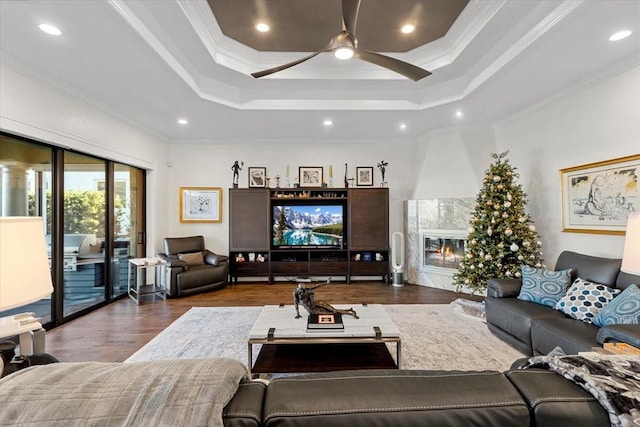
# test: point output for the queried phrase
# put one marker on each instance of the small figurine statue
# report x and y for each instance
(346, 181)
(383, 167)
(304, 296)
(236, 168)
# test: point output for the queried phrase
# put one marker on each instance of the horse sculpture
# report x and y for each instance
(305, 296)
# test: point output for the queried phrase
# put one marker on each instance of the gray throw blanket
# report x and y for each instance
(157, 393)
(612, 379)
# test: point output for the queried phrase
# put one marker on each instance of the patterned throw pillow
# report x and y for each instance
(624, 309)
(584, 300)
(543, 286)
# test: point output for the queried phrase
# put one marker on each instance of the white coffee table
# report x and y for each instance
(278, 325)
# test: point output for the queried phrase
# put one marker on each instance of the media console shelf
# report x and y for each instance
(363, 249)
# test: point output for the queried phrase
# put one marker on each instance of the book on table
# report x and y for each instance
(621, 348)
(331, 321)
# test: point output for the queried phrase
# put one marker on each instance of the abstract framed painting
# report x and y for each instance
(597, 197)
(201, 204)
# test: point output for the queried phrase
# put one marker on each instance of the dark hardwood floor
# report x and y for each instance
(115, 332)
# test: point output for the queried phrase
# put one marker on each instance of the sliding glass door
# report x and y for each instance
(128, 227)
(26, 191)
(85, 220)
(93, 212)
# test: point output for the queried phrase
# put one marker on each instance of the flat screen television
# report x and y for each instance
(308, 225)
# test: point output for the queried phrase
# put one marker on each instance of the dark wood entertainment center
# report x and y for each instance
(366, 234)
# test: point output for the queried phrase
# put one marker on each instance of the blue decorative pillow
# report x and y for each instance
(584, 300)
(623, 310)
(543, 286)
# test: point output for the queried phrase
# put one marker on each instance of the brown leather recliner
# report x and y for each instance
(192, 269)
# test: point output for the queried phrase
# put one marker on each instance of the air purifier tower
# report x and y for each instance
(397, 259)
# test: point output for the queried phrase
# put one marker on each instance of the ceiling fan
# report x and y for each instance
(345, 46)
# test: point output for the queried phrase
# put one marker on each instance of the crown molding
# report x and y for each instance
(43, 78)
(594, 79)
(550, 21)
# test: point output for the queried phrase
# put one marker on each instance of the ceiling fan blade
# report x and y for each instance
(263, 73)
(408, 70)
(350, 15)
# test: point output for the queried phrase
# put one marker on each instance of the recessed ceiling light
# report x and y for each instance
(328, 122)
(409, 28)
(183, 121)
(262, 27)
(403, 126)
(50, 29)
(459, 114)
(620, 35)
(343, 53)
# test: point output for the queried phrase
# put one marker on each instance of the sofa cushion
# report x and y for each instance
(199, 275)
(554, 401)
(592, 268)
(569, 334)
(193, 258)
(514, 316)
(624, 309)
(395, 398)
(544, 286)
(584, 300)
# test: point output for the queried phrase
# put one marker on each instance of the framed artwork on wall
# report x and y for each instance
(200, 204)
(597, 197)
(364, 176)
(257, 177)
(310, 176)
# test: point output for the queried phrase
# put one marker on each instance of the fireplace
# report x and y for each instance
(436, 233)
(443, 252)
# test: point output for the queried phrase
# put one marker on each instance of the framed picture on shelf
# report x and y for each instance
(597, 197)
(200, 204)
(257, 177)
(310, 176)
(364, 176)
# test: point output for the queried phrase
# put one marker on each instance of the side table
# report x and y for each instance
(28, 328)
(156, 288)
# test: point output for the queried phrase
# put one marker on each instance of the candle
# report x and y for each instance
(287, 171)
(330, 171)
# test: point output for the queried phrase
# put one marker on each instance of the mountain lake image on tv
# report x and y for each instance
(319, 226)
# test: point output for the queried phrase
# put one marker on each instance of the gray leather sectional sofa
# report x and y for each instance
(536, 329)
(415, 398)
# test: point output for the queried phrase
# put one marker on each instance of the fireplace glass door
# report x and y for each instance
(443, 252)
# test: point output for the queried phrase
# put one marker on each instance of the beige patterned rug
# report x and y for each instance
(433, 336)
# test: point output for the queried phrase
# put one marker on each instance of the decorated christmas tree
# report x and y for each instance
(502, 237)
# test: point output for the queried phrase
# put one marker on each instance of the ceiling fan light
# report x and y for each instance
(343, 53)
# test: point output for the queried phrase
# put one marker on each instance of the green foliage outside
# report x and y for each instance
(84, 212)
(502, 237)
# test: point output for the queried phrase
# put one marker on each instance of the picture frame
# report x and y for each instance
(364, 176)
(257, 177)
(597, 197)
(310, 176)
(201, 204)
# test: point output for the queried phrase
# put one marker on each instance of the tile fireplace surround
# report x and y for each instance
(436, 231)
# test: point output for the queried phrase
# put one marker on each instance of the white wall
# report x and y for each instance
(599, 123)
(43, 113)
(451, 163)
(209, 165)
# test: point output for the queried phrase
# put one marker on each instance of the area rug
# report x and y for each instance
(434, 336)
